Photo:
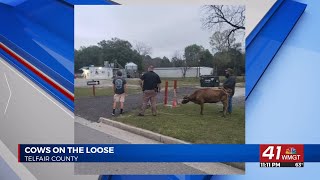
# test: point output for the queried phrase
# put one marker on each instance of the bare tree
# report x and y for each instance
(185, 66)
(184, 70)
(143, 49)
(229, 18)
(181, 62)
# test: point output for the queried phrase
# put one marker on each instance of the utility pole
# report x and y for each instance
(199, 68)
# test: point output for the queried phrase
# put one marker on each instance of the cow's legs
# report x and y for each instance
(201, 106)
(225, 106)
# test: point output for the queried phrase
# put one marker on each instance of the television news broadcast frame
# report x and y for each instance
(262, 111)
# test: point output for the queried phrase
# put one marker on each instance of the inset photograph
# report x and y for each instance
(160, 75)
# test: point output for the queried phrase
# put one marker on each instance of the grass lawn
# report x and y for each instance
(182, 82)
(81, 92)
(186, 123)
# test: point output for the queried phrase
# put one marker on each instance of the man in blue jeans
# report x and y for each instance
(230, 84)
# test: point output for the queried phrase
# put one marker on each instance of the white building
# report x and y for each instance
(97, 72)
(177, 72)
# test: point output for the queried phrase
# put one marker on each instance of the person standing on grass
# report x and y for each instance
(150, 83)
(230, 84)
(120, 91)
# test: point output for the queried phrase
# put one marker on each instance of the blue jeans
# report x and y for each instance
(230, 104)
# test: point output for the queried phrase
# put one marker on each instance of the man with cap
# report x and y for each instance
(230, 84)
(150, 84)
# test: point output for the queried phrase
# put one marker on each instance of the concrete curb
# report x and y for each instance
(142, 132)
(157, 137)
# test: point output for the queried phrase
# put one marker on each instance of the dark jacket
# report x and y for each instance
(150, 81)
(230, 83)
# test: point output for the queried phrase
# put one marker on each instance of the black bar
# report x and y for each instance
(281, 164)
(292, 164)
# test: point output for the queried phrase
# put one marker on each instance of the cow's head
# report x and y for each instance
(185, 100)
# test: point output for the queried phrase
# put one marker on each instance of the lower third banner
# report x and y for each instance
(149, 153)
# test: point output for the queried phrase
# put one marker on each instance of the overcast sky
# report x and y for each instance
(165, 28)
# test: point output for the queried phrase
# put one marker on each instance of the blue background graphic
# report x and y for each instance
(41, 31)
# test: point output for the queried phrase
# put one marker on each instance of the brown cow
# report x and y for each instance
(208, 95)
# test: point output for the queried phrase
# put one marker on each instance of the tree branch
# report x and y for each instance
(217, 15)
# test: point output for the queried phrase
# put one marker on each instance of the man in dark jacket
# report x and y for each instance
(230, 85)
(150, 84)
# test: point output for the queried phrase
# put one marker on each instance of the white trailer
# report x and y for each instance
(97, 72)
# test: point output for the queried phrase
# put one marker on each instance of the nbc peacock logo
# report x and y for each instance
(291, 150)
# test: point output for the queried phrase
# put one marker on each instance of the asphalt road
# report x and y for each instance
(97, 133)
(92, 108)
